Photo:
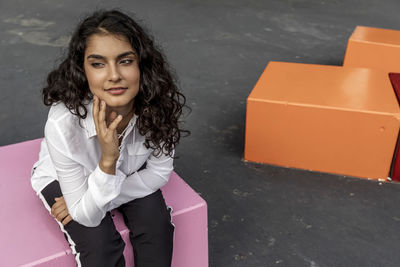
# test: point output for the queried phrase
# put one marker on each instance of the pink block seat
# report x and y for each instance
(31, 237)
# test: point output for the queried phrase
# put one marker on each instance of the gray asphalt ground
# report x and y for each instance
(259, 215)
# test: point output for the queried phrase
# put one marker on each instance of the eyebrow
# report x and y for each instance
(95, 56)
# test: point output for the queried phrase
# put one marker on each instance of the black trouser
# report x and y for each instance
(151, 233)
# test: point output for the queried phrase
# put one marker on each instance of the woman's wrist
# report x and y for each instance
(108, 166)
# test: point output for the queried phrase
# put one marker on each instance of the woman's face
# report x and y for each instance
(112, 69)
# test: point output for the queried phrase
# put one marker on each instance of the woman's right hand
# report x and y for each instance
(108, 137)
(59, 211)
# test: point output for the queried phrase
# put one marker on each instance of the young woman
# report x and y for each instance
(109, 143)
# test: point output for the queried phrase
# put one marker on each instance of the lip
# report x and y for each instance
(116, 90)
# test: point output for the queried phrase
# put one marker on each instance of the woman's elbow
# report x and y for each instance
(88, 220)
(165, 173)
(165, 176)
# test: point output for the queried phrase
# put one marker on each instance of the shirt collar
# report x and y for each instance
(89, 122)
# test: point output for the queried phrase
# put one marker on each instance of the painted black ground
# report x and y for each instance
(259, 215)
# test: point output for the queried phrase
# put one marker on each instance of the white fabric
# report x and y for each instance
(70, 154)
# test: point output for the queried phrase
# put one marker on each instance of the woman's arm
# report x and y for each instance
(146, 181)
(87, 197)
(42, 172)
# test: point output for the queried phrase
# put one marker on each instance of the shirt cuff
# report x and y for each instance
(105, 187)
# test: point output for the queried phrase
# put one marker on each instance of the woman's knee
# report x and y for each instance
(161, 225)
(97, 246)
(149, 215)
(103, 234)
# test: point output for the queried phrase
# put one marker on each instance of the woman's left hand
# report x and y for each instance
(59, 211)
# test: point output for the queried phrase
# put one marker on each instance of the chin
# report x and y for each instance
(118, 102)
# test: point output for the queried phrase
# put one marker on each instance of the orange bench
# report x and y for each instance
(373, 48)
(323, 118)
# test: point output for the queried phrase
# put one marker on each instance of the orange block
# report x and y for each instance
(373, 48)
(323, 118)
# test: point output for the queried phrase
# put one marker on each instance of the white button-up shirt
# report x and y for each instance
(70, 154)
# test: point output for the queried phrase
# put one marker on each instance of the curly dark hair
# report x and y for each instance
(159, 102)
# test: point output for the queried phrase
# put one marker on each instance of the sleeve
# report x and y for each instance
(87, 197)
(42, 172)
(147, 181)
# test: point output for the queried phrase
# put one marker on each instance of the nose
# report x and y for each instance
(114, 75)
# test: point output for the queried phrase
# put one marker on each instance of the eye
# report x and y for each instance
(97, 64)
(126, 61)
